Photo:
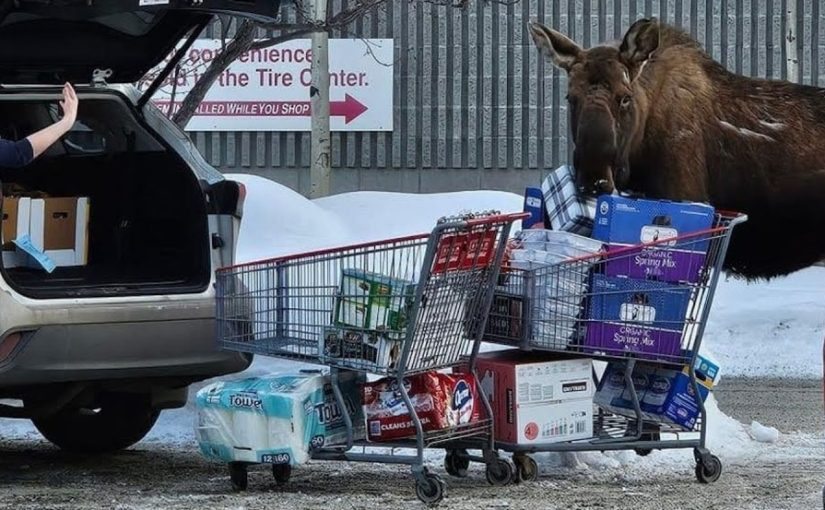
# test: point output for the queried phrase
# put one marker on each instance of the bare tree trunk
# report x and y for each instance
(243, 39)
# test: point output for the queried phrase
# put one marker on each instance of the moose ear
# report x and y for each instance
(640, 41)
(554, 45)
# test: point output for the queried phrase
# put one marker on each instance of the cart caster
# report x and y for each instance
(499, 472)
(708, 472)
(456, 463)
(281, 473)
(238, 476)
(430, 489)
(527, 470)
(648, 436)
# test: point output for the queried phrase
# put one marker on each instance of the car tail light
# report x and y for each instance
(8, 345)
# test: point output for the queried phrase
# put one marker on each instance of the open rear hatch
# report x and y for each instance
(54, 41)
(111, 205)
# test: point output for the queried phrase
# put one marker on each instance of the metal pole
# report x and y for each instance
(792, 64)
(319, 174)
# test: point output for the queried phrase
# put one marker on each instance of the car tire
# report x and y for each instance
(117, 422)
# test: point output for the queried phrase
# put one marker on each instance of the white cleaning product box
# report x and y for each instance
(278, 419)
(537, 398)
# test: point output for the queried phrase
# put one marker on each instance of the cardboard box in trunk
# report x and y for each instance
(59, 228)
(16, 217)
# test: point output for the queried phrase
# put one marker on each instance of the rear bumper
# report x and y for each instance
(171, 350)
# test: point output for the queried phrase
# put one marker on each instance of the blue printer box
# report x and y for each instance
(622, 222)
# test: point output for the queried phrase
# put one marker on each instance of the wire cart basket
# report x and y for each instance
(429, 313)
(578, 307)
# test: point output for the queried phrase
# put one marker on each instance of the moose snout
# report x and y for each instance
(599, 187)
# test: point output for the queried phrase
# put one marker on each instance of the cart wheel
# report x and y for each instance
(499, 472)
(709, 472)
(650, 436)
(456, 463)
(430, 490)
(238, 476)
(527, 469)
(281, 473)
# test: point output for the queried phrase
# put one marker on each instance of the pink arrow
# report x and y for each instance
(350, 108)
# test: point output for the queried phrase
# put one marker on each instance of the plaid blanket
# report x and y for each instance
(565, 209)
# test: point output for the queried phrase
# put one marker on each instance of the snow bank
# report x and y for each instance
(773, 329)
(278, 221)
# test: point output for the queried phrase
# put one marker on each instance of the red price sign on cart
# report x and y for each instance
(465, 251)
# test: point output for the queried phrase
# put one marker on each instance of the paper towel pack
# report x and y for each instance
(276, 419)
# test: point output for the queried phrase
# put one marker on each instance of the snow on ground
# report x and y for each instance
(773, 329)
(763, 329)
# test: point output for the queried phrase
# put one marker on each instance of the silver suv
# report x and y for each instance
(92, 353)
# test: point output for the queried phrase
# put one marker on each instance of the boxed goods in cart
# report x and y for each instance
(537, 398)
(637, 225)
(665, 394)
(639, 300)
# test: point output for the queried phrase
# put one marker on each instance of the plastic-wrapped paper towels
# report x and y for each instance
(556, 294)
(276, 419)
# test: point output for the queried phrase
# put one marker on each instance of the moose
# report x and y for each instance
(656, 116)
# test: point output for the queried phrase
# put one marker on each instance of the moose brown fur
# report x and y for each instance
(657, 116)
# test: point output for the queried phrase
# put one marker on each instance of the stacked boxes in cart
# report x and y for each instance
(640, 300)
(537, 398)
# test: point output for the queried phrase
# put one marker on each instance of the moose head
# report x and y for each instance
(607, 107)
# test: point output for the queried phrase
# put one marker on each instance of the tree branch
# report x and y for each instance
(240, 43)
(273, 41)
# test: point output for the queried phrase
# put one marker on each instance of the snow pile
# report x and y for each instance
(764, 434)
(773, 329)
(278, 221)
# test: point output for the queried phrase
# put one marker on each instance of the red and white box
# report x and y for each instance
(441, 401)
(537, 398)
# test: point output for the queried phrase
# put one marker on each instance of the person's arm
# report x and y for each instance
(15, 154)
(43, 139)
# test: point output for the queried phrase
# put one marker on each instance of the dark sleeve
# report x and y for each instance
(15, 154)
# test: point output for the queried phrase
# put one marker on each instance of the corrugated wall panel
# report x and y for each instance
(472, 96)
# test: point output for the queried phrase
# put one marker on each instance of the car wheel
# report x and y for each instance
(117, 422)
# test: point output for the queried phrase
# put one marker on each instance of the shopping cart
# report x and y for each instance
(394, 308)
(583, 306)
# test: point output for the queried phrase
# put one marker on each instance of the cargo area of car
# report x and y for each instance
(147, 229)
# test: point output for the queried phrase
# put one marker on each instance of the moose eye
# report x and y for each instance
(624, 101)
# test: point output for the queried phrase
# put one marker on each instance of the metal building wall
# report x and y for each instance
(474, 106)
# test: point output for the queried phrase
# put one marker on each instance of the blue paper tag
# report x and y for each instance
(25, 243)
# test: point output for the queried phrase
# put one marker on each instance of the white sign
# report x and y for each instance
(268, 89)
